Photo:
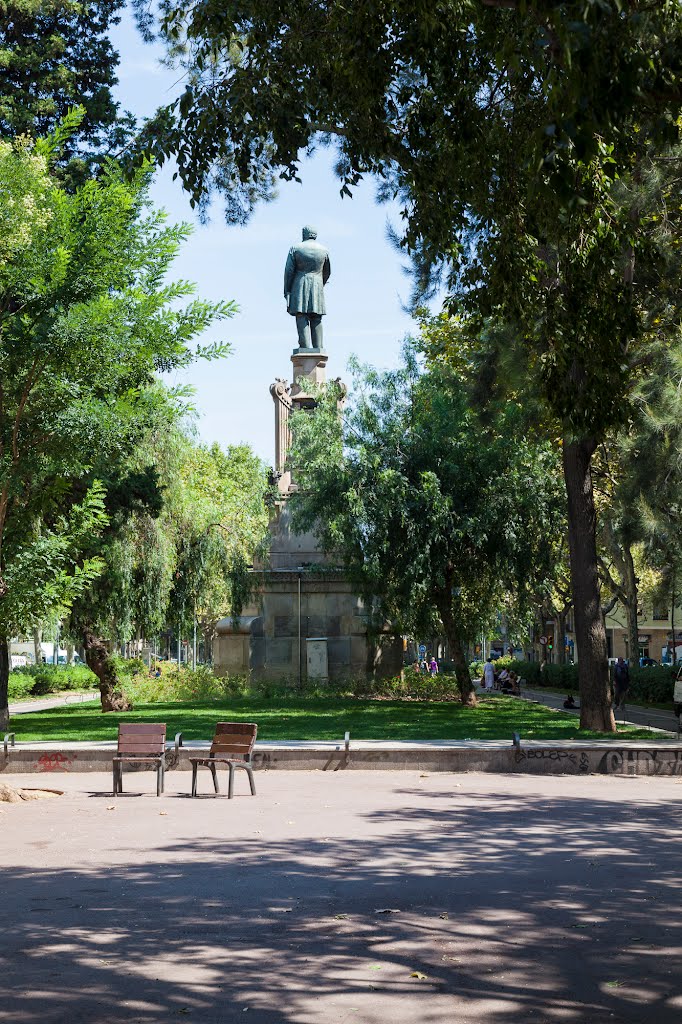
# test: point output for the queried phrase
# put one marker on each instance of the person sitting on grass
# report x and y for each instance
(569, 703)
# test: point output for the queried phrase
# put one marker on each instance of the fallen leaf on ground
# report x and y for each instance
(163, 813)
(111, 807)
(418, 975)
(614, 984)
(424, 776)
(386, 910)
(340, 917)
(376, 967)
(444, 916)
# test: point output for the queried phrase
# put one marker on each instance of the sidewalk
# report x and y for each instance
(25, 706)
(631, 714)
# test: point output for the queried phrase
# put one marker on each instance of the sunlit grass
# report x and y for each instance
(300, 718)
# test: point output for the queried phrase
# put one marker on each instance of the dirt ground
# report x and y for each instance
(377, 897)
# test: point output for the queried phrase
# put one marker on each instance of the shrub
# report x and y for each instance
(559, 677)
(201, 685)
(652, 685)
(19, 685)
(38, 680)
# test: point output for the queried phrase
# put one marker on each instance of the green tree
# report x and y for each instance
(514, 134)
(220, 518)
(86, 322)
(55, 54)
(436, 516)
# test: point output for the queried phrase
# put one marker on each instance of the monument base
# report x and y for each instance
(300, 621)
(305, 622)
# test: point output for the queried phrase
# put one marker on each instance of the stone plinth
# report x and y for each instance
(292, 606)
(308, 373)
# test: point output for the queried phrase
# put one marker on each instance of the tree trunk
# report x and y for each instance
(4, 684)
(560, 640)
(101, 663)
(458, 655)
(630, 585)
(672, 617)
(593, 671)
(69, 652)
(38, 644)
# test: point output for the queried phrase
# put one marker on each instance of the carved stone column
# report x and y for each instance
(282, 398)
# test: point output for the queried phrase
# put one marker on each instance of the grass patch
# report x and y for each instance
(302, 718)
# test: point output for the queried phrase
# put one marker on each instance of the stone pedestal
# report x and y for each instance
(308, 372)
(305, 621)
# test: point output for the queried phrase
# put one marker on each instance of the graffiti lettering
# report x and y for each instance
(544, 755)
(54, 763)
(584, 766)
(642, 762)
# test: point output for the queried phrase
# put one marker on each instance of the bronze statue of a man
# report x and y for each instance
(305, 275)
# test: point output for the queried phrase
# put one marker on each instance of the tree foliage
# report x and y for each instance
(56, 54)
(87, 319)
(437, 514)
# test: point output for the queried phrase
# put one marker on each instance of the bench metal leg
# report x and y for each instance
(195, 769)
(249, 771)
(214, 773)
(159, 778)
(118, 777)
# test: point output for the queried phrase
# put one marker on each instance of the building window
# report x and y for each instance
(660, 611)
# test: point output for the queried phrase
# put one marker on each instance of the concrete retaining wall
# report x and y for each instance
(536, 759)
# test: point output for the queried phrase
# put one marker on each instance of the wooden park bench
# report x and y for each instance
(232, 745)
(140, 742)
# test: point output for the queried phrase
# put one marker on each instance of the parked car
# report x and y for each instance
(647, 662)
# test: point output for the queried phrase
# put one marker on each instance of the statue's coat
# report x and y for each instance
(306, 272)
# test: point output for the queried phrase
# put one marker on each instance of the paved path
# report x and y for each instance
(632, 713)
(25, 706)
(511, 899)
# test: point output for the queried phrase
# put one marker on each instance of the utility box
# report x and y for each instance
(317, 662)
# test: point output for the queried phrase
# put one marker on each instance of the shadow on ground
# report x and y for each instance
(515, 908)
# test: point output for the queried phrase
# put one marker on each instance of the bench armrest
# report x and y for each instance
(8, 741)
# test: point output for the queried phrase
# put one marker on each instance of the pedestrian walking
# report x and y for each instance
(621, 681)
(488, 675)
(433, 667)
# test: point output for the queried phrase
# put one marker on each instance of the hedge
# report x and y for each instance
(37, 680)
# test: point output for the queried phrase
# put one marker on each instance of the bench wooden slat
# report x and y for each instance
(142, 738)
(139, 757)
(142, 729)
(141, 749)
(234, 739)
(141, 741)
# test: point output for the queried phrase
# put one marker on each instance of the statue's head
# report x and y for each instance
(309, 232)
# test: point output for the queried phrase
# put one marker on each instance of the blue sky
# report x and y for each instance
(364, 295)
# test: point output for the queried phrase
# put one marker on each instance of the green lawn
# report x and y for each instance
(320, 719)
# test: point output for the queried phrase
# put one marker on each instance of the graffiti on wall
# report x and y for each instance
(53, 763)
(621, 761)
(642, 762)
(566, 756)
